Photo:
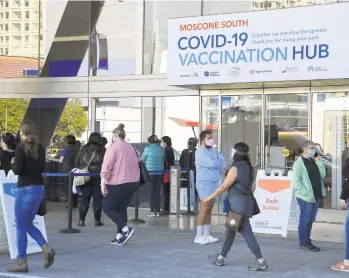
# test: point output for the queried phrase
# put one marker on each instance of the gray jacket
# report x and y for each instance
(240, 193)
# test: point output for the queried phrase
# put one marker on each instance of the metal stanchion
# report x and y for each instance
(188, 212)
(175, 190)
(136, 220)
(70, 229)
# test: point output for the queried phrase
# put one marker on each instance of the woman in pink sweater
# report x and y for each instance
(120, 180)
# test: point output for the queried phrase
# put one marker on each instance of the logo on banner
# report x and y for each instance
(289, 69)
(234, 71)
(253, 71)
(316, 69)
(195, 74)
(211, 73)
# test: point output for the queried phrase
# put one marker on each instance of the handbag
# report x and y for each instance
(42, 208)
(144, 174)
(234, 220)
(81, 180)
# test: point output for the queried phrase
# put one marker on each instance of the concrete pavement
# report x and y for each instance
(157, 251)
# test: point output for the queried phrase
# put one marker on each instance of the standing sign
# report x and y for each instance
(275, 45)
(274, 196)
(7, 193)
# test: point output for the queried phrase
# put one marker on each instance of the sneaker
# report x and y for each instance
(115, 241)
(212, 239)
(340, 267)
(213, 258)
(126, 236)
(258, 266)
(152, 214)
(201, 240)
(157, 214)
(309, 248)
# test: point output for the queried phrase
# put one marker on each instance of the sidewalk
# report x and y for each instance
(157, 251)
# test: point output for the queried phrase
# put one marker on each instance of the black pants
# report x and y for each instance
(91, 189)
(117, 200)
(155, 192)
(166, 192)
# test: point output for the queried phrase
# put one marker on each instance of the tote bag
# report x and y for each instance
(144, 174)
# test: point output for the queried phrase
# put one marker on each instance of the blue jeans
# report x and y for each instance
(306, 219)
(346, 228)
(27, 202)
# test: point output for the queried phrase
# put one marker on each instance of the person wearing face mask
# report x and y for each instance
(209, 163)
(308, 175)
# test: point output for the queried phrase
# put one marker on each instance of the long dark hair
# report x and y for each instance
(94, 145)
(29, 139)
(241, 154)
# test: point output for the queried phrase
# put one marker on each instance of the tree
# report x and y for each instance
(73, 119)
(72, 122)
(11, 114)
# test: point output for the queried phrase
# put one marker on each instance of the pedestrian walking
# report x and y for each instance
(238, 183)
(120, 180)
(209, 164)
(153, 157)
(91, 155)
(308, 175)
(29, 165)
(7, 152)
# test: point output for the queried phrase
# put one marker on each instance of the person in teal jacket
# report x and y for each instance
(308, 175)
(154, 158)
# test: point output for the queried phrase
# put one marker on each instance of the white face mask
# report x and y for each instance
(163, 144)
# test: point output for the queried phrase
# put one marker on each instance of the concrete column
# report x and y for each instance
(91, 115)
(148, 118)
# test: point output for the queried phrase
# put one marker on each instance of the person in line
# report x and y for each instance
(344, 199)
(308, 175)
(67, 160)
(166, 143)
(7, 152)
(209, 163)
(120, 180)
(239, 183)
(153, 157)
(91, 154)
(104, 142)
(29, 164)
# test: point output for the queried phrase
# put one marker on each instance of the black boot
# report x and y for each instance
(82, 215)
(98, 215)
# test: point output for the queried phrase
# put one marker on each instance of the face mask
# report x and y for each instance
(163, 145)
(209, 143)
(311, 152)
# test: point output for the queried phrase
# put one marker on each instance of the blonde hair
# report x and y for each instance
(29, 138)
(120, 131)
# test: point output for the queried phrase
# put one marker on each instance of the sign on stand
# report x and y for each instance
(8, 193)
(274, 196)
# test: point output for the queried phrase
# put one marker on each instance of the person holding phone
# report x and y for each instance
(308, 175)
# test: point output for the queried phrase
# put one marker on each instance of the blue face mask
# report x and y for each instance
(312, 152)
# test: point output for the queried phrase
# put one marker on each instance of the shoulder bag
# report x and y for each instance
(144, 174)
(81, 180)
(166, 178)
(42, 207)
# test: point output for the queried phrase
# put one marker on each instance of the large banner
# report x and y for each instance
(8, 193)
(274, 197)
(277, 45)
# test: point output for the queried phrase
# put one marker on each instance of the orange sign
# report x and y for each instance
(274, 186)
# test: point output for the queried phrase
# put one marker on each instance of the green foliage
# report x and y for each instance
(73, 120)
(11, 114)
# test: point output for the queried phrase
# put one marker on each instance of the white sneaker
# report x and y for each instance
(201, 240)
(212, 239)
(152, 214)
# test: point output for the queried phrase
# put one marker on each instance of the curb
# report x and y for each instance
(7, 275)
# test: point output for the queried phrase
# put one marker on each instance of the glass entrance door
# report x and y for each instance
(286, 127)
